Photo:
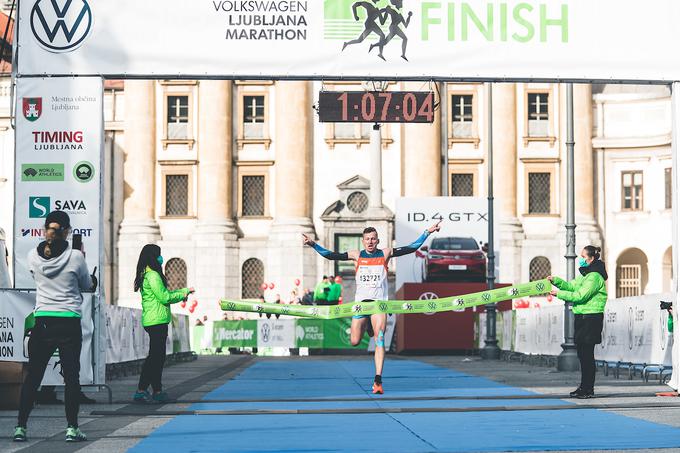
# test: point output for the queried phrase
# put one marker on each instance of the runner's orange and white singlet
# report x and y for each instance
(371, 276)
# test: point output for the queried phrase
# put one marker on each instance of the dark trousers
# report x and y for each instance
(48, 335)
(152, 371)
(586, 356)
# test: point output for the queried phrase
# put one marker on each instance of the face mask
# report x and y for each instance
(582, 262)
(160, 260)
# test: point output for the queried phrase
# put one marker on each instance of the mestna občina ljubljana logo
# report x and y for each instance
(61, 25)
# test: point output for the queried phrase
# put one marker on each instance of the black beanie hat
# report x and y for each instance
(59, 217)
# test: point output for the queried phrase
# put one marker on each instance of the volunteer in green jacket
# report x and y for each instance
(156, 301)
(588, 295)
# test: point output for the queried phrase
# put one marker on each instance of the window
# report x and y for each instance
(176, 273)
(253, 123)
(539, 193)
(344, 243)
(177, 117)
(631, 191)
(628, 280)
(668, 180)
(357, 202)
(176, 195)
(252, 277)
(253, 195)
(539, 268)
(462, 185)
(461, 115)
(538, 114)
(253, 116)
(352, 131)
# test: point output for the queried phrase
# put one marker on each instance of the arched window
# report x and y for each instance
(252, 277)
(632, 273)
(176, 273)
(539, 268)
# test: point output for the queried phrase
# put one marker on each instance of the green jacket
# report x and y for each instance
(587, 294)
(321, 291)
(335, 292)
(156, 299)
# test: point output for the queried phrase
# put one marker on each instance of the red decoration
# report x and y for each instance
(271, 286)
(297, 282)
(183, 304)
(263, 286)
(191, 309)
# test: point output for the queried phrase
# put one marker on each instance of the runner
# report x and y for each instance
(370, 24)
(396, 19)
(371, 281)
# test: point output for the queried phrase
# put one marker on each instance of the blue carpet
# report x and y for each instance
(407, 432)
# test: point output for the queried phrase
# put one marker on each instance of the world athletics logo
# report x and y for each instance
(375, 21)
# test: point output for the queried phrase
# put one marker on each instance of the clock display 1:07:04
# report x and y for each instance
(377, 107)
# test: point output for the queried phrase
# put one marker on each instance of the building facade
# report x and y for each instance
(226, 177)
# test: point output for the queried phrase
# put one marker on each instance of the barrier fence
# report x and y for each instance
(635, 331)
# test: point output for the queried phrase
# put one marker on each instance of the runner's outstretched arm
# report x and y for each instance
(415, 245)
(333, 256)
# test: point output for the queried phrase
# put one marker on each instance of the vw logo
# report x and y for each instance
(61, 26)
(265, 330)
(429, 296)
(382, 306)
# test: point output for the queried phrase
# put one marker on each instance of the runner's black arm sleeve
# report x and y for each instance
(333, 256)
(412, 247)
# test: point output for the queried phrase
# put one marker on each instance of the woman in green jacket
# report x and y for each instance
(156, 315)
(588, 295)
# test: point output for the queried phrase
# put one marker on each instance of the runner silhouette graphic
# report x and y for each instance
(370, 24)
(396, 19)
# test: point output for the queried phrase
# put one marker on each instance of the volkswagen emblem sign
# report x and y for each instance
(61, 25)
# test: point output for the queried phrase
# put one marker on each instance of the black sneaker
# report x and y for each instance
(575, 393)
(585, 395)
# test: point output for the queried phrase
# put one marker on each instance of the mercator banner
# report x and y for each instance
(384, 39)
(59, 142)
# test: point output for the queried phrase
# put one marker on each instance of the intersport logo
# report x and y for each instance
(61, 25)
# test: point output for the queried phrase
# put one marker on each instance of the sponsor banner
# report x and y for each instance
(235, 334)
(5, 281)
(275, 333)
(17, 308)
(539, 330)
(59, 139)
(456, 252)
(537, 39)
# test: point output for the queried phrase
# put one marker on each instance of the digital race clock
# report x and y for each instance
(376, 107)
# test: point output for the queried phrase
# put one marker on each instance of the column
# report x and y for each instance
(139, 225)
(510, 232)
(293, 143)
(216, 246)
(421, 155)
(587, 231)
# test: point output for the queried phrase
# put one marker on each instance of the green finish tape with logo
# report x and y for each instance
(393, 306)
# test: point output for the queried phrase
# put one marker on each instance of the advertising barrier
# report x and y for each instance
(282, 333)
(537, 39)
(635, 331)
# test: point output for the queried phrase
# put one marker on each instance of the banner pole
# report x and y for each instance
(491, 349)
(567, 360)
(675, 142)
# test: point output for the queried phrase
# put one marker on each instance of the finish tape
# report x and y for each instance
(392, 306)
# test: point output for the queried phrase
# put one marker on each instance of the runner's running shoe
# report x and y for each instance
(377, 389)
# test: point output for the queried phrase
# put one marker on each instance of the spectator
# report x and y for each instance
(335, 290)
(261, 300)
(588, 294)
(307, 297)
(321, 291)
(294, 298)
(201, 322)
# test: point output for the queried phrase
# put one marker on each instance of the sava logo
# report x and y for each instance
(61, 26)
(39, 207)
